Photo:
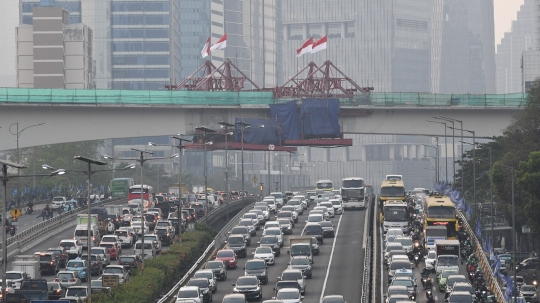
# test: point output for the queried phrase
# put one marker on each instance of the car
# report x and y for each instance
(151, 219)
(249, 224)
(78, 265)
(461, 297)
(407, 282)
(58, 202)
(266, 254)
(242, 230)
(406, 243)
(458, 287)
(119, 270)
(154, 238)
(443, 275)
(260, 216)
(397, 299)
(234, 298)
(133, 233)
(166, 224)
(333, 299)
(130, 262)
(257, 268)
(325, 210)
(289, 295)
(207, 274)
(330, 207)
(67, 278)
(284, 214)
(272, 242)
(294, 274)
(450, 283)
(337, 205)
(293, 211)
(314, 230)
(397, 290)
(249, 286)
(187, 293)
(297, 204)
(125, 237)
(73, 247)
(97, 287)
(394, 231)
(55, 290)
(429, 260)
(228, 257)
(238, 244)
(519, 281)
(164, 235)
(315, 218)
(61, 255)
(115, 219)
(112, 239)
(327, 229)
(274, 231)
(96, 264)
(265, 211)
(103, 253)
(285, 225)
(397, 265)
(204, 287)
(529, 293)
(302, 263)
(219, 268)
(48, 262)
(112, 249)
(315, 246)
(286, 284)
(76, 293)
(271, 205)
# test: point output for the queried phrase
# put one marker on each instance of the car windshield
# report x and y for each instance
(284, 214)
(79, 264)
(13, 275)
(396, 291)
(528, 288)
(149, 238)
(287, 284)
(286, 294)
(400, 264)
(96, 251)
(448, 261)
(201, 283)
(460, 298)
(106, 245)
(236, 240)
(325, 223)
(313, 229)
(277, 196)
(246, 223)
(206, 275)
(288, 208)
(293, 275)
(166, 224)
(65, 275)
(233, 300)
(113, 270)
(263, 250)
(275, 232)
(466, 288)
(245, 281)
(284, 222)
(108, 239)
(300, 261)
(446, 273)
(127, 259)
(239, 230)
(407, 283)
(293, 202)
(225, 254)
(268, 240)
(96, 283)
(255, 265)
(45, 258)
(76, 292)
(314, 218)
(188, 294)
(452, 280)
(431, 254)
(335, 202)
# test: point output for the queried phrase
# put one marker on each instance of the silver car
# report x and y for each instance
(67, 278)
(208, 274)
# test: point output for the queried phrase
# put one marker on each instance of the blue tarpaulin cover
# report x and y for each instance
(286, 115)
(256, 134)
(320, 118)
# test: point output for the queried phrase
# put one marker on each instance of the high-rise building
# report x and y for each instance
(52, 53)
(522, 37)
(194, 20)
(9, 20)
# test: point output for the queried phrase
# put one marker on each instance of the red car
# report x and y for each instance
(228, 257)
(111, 249)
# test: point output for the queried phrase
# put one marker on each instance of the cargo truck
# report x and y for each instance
(34, 289)
(300, 246)
(447, 255)
(82, 219)
(31, 268)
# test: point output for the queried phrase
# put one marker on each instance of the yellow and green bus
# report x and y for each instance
(440, 211)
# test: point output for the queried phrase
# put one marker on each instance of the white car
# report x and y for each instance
(265, 253)
(264, 209)
(325, 210)
(299, 207)
(271, 224)
(208, 274)
(118, 270)
(330, 208)
(154, 238)
(303, 200)
(73, 247)
(16, 277)
(112, 239)
(102, 252)
(315, 218)
(337, 205)
(260, 216)
(289, 295)
(274, 231)
(58, 202)
(137, 227)
(124, 236)
(76, 293)
(279, 198)
(189, 294)
(293, 211)
(430, 259)
(394, 231)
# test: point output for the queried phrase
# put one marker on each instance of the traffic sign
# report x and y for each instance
(255, 179)
(271, 147)
(15, 213)
(109, 280)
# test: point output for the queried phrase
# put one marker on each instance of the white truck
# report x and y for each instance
(300, 246)
(447, 255)
(24, 267)
(114, 209)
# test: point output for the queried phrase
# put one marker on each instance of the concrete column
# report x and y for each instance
(392, 152)
(343, 29)
(363, 153)
(324, 29)
(287, 32)
(305, 31)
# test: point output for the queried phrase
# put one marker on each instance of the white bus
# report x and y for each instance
(353, 193)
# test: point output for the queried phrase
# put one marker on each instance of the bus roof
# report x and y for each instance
(439, 201)
(393, 183)
(395, 203)
(139, 186)
(353, 178)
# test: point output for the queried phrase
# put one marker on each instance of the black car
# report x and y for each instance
(249, 286)
(150, 220)
(192, 215)
(55, 290)
(327, 229)
(219, 268)
(164, 235)
(204, 286)
(48, 262)
(115, 219)
(302, 263)
(238, 244)
(242, 230)
(285, 225)
(315, 230)
(272, 242)
(97, 264)
(287, 284)
(61, 255)
(257, 267)
(129, 261)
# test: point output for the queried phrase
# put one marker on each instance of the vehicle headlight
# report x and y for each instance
(288, 227)
(221, 271)
(263, 273)
(308, 268)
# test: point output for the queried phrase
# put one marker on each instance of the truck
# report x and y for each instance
(34, 289)
(82, 219)
(30, 267)
(113, 209)
(432, 234)
(300, 246)
(447, 252)
(198, 189)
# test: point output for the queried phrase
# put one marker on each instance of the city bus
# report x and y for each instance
(135, 192)
(392, 190)
(394, 215)
(119, 187)
(441, 211)
(324, 185)
(353, 193)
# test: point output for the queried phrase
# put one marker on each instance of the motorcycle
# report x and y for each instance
(416, 257)
(535, 283)
(429, 294)
(47, 214)
(12, 231)
(424, 279)
(29, 210)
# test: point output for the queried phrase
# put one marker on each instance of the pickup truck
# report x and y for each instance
(34, 289)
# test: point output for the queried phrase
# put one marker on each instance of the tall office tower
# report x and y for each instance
(52, 53)
(194, 20)
(522, 37)
(97, 15)
(377, 43)
(254, 38)
(465, 61)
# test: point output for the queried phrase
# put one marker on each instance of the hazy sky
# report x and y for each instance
(505, 12)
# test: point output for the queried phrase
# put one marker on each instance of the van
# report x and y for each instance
(149, 249)
(81, 234)
(136, 205)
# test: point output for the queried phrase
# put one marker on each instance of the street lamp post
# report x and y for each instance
(205, 130)
(461, 128)
(445, 149)
(226, 125)
(453, 147)
(243, 127)
(18, 134)
(474, 164)
(436, 147)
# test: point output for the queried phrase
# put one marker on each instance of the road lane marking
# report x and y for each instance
(330, 262)
(365, 229)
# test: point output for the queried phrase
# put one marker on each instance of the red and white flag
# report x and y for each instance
(319, 45)
(220, 44)
(306, 47)
(205, 52)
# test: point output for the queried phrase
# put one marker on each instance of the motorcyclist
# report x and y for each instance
(429, 284)
(431, 300)
(468, 242)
